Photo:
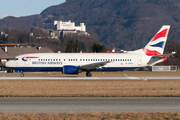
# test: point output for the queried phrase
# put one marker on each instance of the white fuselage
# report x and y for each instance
(56, 61)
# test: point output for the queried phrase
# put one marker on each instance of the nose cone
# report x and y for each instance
(6, 64)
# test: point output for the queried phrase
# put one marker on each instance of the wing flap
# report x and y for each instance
(93, 66)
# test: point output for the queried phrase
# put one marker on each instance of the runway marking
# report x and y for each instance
(133, 78)
(94, 78)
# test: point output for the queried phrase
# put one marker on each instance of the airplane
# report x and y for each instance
(75, 63)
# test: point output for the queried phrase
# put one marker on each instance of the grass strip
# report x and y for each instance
(92, 116)
(106, 88)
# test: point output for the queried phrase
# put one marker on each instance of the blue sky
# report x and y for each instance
(20, 8)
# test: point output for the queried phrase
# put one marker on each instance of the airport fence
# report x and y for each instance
(165, 68)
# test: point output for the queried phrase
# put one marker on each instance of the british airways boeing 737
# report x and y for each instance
(75, 63)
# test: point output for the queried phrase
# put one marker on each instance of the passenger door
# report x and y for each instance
(139, 60)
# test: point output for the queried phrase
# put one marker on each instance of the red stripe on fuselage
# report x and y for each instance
(30, 57)
(159, 35)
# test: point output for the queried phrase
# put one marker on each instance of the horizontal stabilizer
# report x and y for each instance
(164, 55)
(159, 58)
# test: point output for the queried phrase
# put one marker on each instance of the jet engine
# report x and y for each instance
(71, 70)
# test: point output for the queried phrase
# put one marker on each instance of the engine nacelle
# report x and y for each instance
(70, 69)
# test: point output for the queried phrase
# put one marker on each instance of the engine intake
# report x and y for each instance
(70, 70)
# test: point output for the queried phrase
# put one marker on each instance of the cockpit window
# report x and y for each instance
(14, 58)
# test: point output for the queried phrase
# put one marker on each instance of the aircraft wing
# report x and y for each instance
(93, 66)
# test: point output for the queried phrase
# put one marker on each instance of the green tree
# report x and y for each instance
(77, 46)
(70, 46)
(97, 48)
(73, 47)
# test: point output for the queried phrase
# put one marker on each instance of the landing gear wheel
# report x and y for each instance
(88, 74)
(22, 75)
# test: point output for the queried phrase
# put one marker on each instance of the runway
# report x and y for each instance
(82, 105)
(94, 78)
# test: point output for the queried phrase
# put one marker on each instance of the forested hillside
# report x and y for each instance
(41, 38)
(125, 24)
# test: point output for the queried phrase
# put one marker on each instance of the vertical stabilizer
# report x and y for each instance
(157, 44)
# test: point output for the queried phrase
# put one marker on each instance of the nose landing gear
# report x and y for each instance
(22, 75)
(18, 71)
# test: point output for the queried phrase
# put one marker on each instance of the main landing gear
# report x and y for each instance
(88, 74)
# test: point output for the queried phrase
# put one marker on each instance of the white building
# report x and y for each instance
(69, 26)
(64, 28)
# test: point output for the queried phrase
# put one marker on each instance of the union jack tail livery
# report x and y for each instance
(157, 44)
